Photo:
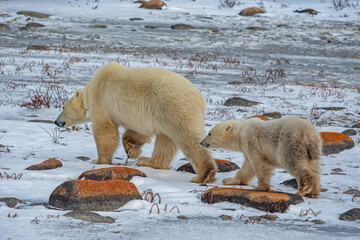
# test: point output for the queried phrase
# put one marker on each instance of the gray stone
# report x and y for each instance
(11, 202)
(352, 191)
(98, 26)
(136, 19)
(351, 215)
(32, 25)
(242, 102)
(89, 216)
(33, 14)
(350, 132)
(269, 217)
(226, 217)
(181, 26)
(83, 158)
(331, 108)
(357, 125)
(290, 183)
(318, 221)
(255, 28)
(182, 217)
(3, 26)
(275, 115)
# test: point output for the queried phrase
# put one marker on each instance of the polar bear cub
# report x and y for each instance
(289, 143)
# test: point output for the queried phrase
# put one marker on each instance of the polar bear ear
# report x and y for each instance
(229, 127)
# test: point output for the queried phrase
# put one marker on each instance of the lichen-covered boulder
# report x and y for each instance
(93, 195)
(335, 142)
(262, 200)
(51, 163)
(104, 174)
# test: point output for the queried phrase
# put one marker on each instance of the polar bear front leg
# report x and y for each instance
(164, 152)
(243, 176)
(133, 142)
(106, 136)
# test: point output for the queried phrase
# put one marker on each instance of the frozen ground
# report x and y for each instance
(295, 65)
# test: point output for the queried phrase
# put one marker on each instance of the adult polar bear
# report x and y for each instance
(146, 102)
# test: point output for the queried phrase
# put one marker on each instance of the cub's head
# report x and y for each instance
(219, 136)
(74, 112)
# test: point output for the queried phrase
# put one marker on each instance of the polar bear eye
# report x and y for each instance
(209, 134)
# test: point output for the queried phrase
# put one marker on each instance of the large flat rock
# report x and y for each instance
(111, 173)
(262, 200)
(334, 142)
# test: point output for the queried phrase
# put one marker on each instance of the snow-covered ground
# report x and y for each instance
(298, 63)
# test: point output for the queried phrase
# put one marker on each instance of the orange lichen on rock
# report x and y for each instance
(51, 163)
(262, 200)
(93, 195)
(222, 166)
(251, 11)
(152, 4)
(262, 117)
(334, 142)
(110, 173)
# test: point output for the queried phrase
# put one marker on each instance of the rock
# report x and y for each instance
(98, 26)
(136, 19)
(262, 117)
(93, 195)
(229, 209)
(151, 27)
(352, 191)
(262, 200)
(290, 183)
(255, 28)
(182, 217)
(318, 221)
(349, 132)
(83, 158)
(282, 25)
(111, 173)
(323, 190)
(32, 25)
(152, 4)
(269, 217)
(331, 108)
(222, 165)
(351, 215)
(39, 47)
(89, 216)
(307, 10)
(181, 26)
(3, 26)
(337, 170)
(275, 115)
(335, 142)
(251, 11)
(11, 202)
(51, 163)
(34, 14)
(226, 217)
(237, 101)
(356, 125)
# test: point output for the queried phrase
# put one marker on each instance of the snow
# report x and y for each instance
(319, 74)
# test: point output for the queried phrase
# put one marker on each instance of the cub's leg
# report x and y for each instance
(106, 136)
(163, 154)
(243, 176)
(308, 180)
(263, 171)
(133, 142)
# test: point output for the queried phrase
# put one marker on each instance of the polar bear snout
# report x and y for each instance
(205, 144)
(59, 123)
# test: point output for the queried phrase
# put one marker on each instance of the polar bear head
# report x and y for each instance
(220, 136)
(74, 112)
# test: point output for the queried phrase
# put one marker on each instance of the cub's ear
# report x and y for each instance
(78, 93)
(229, 127)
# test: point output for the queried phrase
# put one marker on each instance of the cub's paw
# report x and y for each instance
(263, 187)
(144, 161)
(196, 180)
(230, 181)
(97, 161)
